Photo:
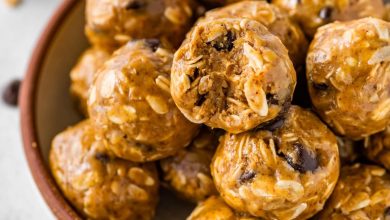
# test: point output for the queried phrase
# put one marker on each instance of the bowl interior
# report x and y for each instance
(54, 109)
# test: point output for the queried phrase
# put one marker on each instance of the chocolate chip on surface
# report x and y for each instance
(154, 44)
(247, 176)
(224, 43)
(195, 75)
(326, 13)
(104, 158)
(134, 5)
(201, 100)
(320, 86)
(272, 99)
(300, 159)
(387, 212)
(11, 92)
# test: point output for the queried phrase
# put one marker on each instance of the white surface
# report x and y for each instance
(19, 30)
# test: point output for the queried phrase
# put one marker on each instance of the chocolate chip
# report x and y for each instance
(102, 157)
(135, 4)
(195, 74)
(11, 92)
(325, 13)
(271, 99)
(230, 40)
(320, 86)
(153, 44)
(225, 43)
(201, 100)
(247, 176)
(302, 160)
(387, 212)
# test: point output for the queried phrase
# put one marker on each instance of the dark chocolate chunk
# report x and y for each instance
(247, 176)
(387, 212)
(195, 74)
(102, 157)
(135, 4)
(153, 44)
(224, 43)
(271, 99)
(326, 13)
(320, 86)
(11, 92)
(201, 100)
(302, 160)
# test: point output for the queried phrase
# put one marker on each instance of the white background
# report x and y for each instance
(19, 30)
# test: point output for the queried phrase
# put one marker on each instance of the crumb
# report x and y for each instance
(13, 3)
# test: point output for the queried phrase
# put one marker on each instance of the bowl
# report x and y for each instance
(47, 108)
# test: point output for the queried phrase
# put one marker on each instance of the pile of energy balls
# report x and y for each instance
(250, 109)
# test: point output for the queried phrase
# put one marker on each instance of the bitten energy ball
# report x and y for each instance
(363, 192)
(113, 23)
(313, 14)
(287, 172)
(215, 208)
(348, 76)
(188, 171)
(232, 74)
(276, 20)
(377, 148)
(99, 185)
(130, 102)
(84, 72)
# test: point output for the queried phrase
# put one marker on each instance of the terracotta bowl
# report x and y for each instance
(47, 108)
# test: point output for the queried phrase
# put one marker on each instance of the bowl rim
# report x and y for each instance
(38, 168)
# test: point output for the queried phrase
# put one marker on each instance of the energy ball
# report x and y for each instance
(84, 72)
(99, 185)
(313, 14)
(232, 74)
(286, 172)
(363, 192)
(130, 102)
(215, 208)
(377, 148)
(276, 20)
(188, 171)
(114, 23)
(347, 69)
